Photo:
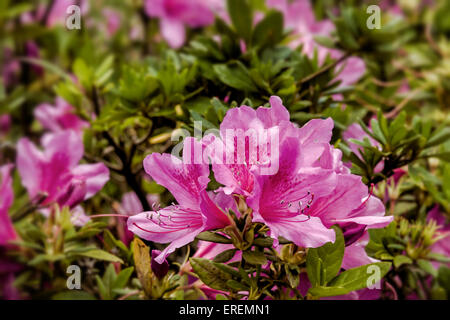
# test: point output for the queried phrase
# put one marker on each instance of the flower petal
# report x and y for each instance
(174, 224)
(184, 180)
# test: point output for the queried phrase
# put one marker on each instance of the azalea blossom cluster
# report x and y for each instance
(319, 153)
(311, 191)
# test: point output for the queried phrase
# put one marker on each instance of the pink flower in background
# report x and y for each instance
(299, 17)
(55, 170)
(113, 20)
(175, 15)
(7, 232)
(11, 64)
(5, 124)
(195, 212)
(59, 117)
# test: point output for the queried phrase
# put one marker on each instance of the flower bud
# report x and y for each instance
(159, 269)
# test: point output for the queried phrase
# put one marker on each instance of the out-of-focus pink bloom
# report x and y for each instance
(7, 232)
(175, 15)
(391, 7)
(7, 270)
(5, 124)
(113, 20)
(55, 170)
(78, 216)
(11, 65)
(299, 17)
(32, 51)
(59, 117)
(195, 212)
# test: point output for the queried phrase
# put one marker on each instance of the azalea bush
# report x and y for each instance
(224, 149)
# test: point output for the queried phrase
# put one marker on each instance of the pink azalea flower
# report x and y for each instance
(175, 15)
(11, 64)
(299, 17)
(59, 117)
(56, 172)
(7, 232)
(195, 212)
(5, 124)
(355, 254)
(310, 191)
(113, 20)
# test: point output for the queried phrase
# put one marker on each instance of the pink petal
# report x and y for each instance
(355, 255)
(7, 232)
(184, 179)
(29, 165)
(96, 176)
(308, 232)
(173, 32)
(64, 144)
(180, 229)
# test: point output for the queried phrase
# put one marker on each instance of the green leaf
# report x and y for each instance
(263, 242)
(237, 286)
(357, 278)
(210, 274)
(101, 255)
(269, 30)
(400, 260)
(254, 257)
(122, 278)
(438, 257)
(293, 276)
(225, 256)
(427, 267)
(444, 278)
(213, 237)
(327, 291)
(322, 264)
(241, 17)
(235, 77)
